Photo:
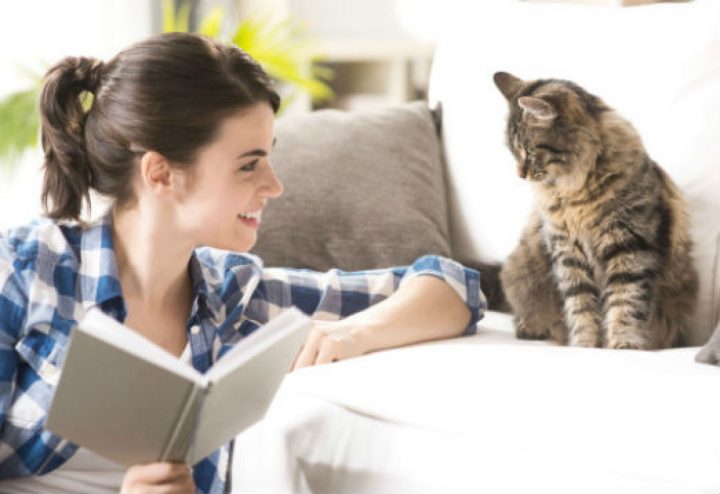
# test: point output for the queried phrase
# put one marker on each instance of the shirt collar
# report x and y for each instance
(99, 280)
(206, 298)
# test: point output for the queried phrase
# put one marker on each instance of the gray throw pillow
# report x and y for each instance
(362, 190)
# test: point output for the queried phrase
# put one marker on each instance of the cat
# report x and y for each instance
(606, 257)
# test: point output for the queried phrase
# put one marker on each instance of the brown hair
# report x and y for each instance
(168, 94)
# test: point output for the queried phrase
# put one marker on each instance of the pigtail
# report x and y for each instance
(67, 174)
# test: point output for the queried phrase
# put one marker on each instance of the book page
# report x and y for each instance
(258, 341)
(104, 327)
(120, 406)
(244, 381)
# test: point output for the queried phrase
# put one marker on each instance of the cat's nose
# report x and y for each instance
(522, 169)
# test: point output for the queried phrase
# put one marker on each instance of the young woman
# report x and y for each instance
(177, 134)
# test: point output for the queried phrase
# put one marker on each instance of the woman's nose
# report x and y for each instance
(273, 187)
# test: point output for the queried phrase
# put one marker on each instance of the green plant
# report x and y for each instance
(280, 46)
(19, 122)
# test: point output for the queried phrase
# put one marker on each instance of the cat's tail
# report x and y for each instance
(490, 285)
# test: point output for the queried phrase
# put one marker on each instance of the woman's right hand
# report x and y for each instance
(157, 478)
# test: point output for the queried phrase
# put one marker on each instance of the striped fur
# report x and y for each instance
(606, 259)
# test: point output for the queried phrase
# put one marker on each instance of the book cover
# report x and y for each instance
(126, 398)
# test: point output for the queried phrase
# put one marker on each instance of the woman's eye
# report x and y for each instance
(249, 167)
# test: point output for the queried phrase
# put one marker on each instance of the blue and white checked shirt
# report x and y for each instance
(51, 273)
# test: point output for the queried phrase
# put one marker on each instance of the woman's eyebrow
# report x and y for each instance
(257, 152)
(254, 152)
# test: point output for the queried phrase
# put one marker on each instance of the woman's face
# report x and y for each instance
(231, 182)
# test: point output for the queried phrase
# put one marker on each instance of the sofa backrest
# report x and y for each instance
(658, 65)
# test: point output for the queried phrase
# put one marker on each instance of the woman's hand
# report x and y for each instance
(330, 341)
(423, 308)
(157, 478)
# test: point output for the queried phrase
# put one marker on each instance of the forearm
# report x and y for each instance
(423, 308)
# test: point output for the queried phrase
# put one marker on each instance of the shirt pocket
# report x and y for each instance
(38, 372)
(43, 355)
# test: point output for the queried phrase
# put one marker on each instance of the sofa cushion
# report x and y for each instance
(362, 190)
(492, 414)
(658, 65)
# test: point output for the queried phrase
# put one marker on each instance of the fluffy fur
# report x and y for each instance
(606, 258)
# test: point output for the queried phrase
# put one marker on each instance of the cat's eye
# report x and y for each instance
(550, 148)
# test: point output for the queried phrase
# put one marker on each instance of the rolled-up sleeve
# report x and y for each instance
(337, 294)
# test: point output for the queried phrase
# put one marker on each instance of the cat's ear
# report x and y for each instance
(508, 84)
(538, 108)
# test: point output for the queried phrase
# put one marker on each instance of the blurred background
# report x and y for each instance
(349, 54)
(352, 54)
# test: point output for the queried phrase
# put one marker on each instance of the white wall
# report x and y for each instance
(35, 34)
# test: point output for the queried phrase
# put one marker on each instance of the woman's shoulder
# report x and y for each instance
(223, 260)
(38, 239)
(218, 265)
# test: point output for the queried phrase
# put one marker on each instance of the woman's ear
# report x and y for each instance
(155, 172)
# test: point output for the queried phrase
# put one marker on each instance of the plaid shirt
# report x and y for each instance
(51, 273)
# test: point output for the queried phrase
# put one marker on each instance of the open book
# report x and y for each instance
(129, 400)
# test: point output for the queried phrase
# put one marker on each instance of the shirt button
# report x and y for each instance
(195, 330)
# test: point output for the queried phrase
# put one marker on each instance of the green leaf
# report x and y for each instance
(210, 25)
(19, 123)
(175, 21)
(182, 21)
(168, 16)
(284, 52)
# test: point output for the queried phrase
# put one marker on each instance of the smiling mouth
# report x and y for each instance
(251, 220)
(256, 215)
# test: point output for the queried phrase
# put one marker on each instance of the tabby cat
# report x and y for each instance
(606, 259)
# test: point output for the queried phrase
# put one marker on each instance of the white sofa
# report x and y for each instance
(490, 413)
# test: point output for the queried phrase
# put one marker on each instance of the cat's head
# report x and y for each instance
(552, 129)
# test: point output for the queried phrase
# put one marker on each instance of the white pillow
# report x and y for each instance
(716, 288)
(658, 65)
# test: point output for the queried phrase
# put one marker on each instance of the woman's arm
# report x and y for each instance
(424, 308)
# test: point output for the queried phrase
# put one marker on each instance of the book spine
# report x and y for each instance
(180, 439)
(191, 456)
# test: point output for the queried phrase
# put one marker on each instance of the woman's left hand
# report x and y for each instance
(330, 341)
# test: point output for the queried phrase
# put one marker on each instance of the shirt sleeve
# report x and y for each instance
(337, 294)
(12, 304)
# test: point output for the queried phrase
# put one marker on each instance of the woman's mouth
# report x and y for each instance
(251, 220)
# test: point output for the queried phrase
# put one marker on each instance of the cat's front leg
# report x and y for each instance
(576, 283)
(629, 296)
(529, 287)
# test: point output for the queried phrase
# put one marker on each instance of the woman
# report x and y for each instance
(178, 135)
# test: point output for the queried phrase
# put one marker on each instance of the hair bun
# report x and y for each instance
(89, 72)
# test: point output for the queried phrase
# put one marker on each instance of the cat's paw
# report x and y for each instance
(623, 345)
(525, 331)
(710, 353)
(585, 340)
(628, 343)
